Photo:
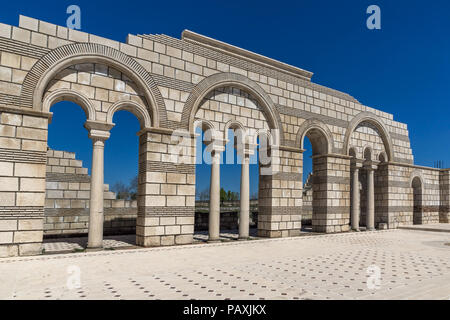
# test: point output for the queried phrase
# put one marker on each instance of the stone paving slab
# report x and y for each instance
(71, 244)
(437, 227)
(412, 265)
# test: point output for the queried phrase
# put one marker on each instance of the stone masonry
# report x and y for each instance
(363, 167)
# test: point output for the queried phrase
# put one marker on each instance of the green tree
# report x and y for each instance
(223, 195)
(133, 188)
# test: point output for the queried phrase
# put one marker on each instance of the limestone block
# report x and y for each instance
(32, 145)
(47, 28)
(155, 201)
(6, 237)
(158, 177)
(175, 201)
(6, 168)
(9, 184)
(31, 224)
(147, 221)
(21, 35)
(27, 63)
(30, 249)
(164, 221)
(102, 82)
(189, 229)
(153, 241)
(9, 251)
(5, 74)
(166, 189)
(186, 190)
(30, 199)
(185, 220)
(5, 30)
(8, 225)
(7, 199)
(169, 230)
(176, 178)
(32, 184)
(167, 240)
(9, 143)
(29, 170)
(10, 60)
(184, 239)
(54, 194)
(28, 236)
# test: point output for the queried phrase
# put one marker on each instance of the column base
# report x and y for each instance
(213, 240)
(94, 249)
(370, 229)
(243, 238)
(356, 230)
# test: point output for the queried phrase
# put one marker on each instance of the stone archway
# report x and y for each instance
(145, 103)
(37, 79)
(230, 80)
(323, 179)
(377, 122)
(416, 182)
(319, 134)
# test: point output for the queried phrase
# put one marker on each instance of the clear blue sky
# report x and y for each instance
(403, 69)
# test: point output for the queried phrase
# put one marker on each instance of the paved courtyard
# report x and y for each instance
(412, 265)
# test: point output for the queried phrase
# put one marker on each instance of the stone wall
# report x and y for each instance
(22, 176)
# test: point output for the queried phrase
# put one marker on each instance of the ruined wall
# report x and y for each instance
(67, 200)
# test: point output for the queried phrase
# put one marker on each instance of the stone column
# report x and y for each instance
(370, 217)
(98, 132)
(355, 196)
(214, 196)
(244, 219)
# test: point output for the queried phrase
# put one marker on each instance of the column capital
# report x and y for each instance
(370, 165)
(247, 150)
(98, 130)
(218, 145)
(356, 164)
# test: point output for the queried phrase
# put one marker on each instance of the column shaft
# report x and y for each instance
(355, 200)
(214, 198)
(370, 223)
(95, 237)
(244, 215)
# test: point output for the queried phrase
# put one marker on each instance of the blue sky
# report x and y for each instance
(403, 69)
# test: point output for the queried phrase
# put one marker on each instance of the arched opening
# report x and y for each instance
(229, 108)
(315, 144)
(416, 185)
(66, 212)
(307, 210)
(370, 141)
(121, 178)
(355, 189)
(203, 133)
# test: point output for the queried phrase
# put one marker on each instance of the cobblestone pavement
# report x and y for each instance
(71, 244)
(412, 265)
